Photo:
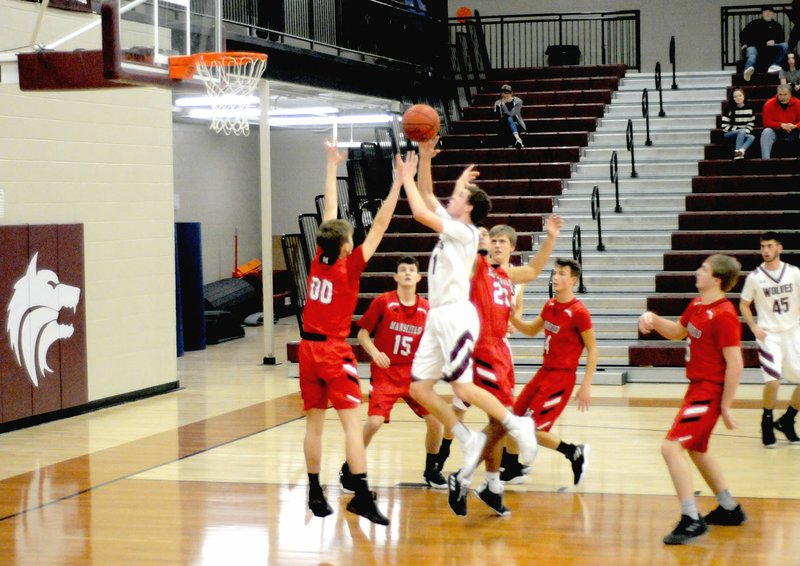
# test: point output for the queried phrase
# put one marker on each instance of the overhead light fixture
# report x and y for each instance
(201, 101)
(282, 121)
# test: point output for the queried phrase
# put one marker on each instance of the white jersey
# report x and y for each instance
(451, 262)
(776, 298)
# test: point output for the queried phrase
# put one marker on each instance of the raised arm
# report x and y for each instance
(427, 151)
(650, 321)
(406, 169)
(335, 157)
(381, 221)
(526, 273)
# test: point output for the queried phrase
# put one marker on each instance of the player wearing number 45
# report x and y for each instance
(774, 287)
(713, 366)
(327, 365)
(396, 320)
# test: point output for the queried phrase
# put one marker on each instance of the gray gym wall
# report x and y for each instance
(694, 23)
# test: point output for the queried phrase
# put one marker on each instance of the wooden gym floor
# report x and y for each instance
(214, 474)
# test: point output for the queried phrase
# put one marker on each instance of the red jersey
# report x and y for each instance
(332, 294)
(709, 329)
(492, 293)
(563, 324)
(397, 328)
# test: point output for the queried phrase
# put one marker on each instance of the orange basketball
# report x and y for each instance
(462, 13)
(420, 122)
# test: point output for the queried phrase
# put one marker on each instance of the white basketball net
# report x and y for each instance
(230, 82)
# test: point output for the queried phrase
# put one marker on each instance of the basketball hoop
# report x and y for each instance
(231, 78)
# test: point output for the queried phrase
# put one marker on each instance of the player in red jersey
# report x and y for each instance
(713, 366)
(567, 326)
(396, 320)
(327, 365)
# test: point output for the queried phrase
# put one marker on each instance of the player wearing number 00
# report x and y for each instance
(389, 332)
(327, 365)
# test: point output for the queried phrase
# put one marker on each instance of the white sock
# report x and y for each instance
(493, 479)
(462, 433)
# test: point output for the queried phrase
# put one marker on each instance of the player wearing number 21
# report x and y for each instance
(327, 365)
(774, 287)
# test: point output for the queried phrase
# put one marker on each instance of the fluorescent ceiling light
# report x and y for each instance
(253, 114)
(200, 101)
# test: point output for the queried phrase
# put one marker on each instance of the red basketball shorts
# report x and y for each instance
(546, 396)
(389, 385)
(328, 373)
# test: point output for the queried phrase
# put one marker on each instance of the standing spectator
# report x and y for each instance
(713, 367)
(759, 35)
(510, 122)
(774, 287)
(737, 122)
(781, 120)
(790, 74)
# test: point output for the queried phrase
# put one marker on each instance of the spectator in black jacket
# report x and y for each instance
(737, 122)
(761, 34)
(794, 17)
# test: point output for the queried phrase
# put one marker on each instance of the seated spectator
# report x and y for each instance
(790, 74)
(759, 35)
(737, 122)
(794, 17)
(781, 120)
(510, 123)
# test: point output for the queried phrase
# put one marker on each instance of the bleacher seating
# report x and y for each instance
(731, 205)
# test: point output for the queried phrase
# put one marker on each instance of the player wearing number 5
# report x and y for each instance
(774, 287)
(327, 364)
(568, 330)
(395, 321)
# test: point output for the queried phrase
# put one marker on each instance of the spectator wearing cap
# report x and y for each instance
(759, 35)
(510, 122)
(781, 120)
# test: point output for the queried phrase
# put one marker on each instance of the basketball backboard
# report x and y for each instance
(138, 38)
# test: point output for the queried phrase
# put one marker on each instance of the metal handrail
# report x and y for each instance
(629, 146)
(614, 166)
(672, 61)
(661, 112)
(596, 216)
(646, 115)
(550, 283)
(577, 254)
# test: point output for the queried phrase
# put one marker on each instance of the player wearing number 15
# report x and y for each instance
(327, 364)
(774, 287)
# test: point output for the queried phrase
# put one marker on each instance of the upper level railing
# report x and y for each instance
(604, 38)
(734, 18)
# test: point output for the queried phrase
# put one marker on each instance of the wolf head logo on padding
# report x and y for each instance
(33, 317)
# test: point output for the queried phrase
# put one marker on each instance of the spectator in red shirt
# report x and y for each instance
(781, 120)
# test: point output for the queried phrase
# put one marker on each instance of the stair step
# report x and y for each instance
(603, 138)
(643, 168)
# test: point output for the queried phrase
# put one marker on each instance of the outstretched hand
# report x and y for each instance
(553, 225)
(405, 169)
(334, 155)
(647, 322)
(468, 176)
(428, 149)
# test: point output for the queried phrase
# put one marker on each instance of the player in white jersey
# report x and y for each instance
(445, 351)
(774, 287)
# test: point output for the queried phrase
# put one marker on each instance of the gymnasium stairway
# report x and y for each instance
(731, 204)
(619, 279)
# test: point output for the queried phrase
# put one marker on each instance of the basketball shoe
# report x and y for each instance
(722, 516)
(492, 499)
(686, 529)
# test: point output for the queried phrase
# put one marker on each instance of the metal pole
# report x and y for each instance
(661, 113)
(646, 115)
(614, 165)
(596, 216)
(629, 144)
(672, 61)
